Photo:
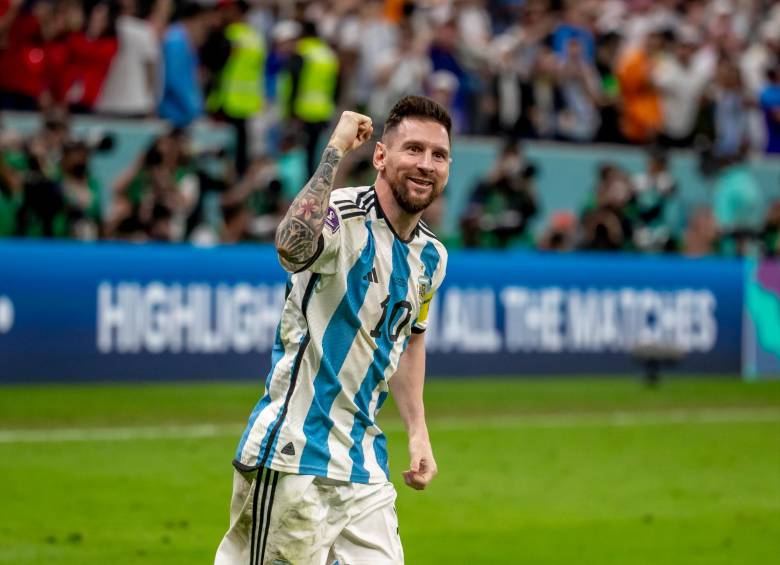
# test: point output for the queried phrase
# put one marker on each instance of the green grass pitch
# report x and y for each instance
(542, 471)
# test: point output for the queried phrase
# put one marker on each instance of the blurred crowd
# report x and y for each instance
(666, 74)
(640, 212)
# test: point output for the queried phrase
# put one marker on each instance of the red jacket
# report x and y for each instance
(23, 60)
(79, 81)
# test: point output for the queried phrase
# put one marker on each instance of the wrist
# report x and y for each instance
(419, 434)
(340, 151)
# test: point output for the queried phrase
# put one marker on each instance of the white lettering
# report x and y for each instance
(198, 318)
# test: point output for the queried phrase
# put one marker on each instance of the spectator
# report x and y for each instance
(443, 53)
(384, 39)
(762, 55)
(399, 72)
(253, 207)
(442, 86)
(182, 97)
(701, 237)
(80, 192)
(238, 90)
(578, 118)
(605, 222)
(729, 113)
(655, 206)
(309, 90)
(506, 89)
(25, 31)
(574, 28)
(738, 205)
(681, 76)
(544, 94)
(10, 190)
(214, 50)
(284, 37)
(609, 101)
(770, 106)
(89, 56)
(502, 205)
(130, 87)
(155, 196)
(641, 118)
(42, 211)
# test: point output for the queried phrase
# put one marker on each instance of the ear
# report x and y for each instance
(380, 154)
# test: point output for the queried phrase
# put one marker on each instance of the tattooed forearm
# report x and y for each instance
(298, 232)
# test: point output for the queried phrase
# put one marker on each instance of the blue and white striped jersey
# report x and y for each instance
(346, 321)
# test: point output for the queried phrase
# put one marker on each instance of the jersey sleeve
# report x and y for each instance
(427, 293)
(326, 258)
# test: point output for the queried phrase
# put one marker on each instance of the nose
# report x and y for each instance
(425, 163)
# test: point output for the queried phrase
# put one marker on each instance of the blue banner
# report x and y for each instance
(110, 311)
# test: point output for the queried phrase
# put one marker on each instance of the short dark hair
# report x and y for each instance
(418, 107)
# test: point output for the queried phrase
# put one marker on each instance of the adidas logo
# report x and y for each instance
(288, 449)
(372, 276)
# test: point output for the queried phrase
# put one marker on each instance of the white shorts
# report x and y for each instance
(285, 519)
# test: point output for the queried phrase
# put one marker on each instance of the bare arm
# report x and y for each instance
(407, 389)
(298, 233)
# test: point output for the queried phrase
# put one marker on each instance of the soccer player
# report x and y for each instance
(311, 484)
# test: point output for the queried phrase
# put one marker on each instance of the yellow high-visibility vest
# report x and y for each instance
(239, 91)
(317, 82)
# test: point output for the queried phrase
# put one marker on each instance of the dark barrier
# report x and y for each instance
(107, 311)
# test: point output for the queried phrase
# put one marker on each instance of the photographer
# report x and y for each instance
(10, 194)
(42, 210)
(605, 222)
(655, 206)
(253, 207)
(501, 205)
(81, 192)
(161, 196)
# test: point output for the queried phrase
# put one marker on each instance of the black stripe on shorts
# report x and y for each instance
(256, 527)
(268, 516)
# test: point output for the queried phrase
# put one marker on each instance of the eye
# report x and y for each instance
(415, 148)
(439, 156)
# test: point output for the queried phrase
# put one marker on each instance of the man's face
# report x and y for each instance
(414, 159)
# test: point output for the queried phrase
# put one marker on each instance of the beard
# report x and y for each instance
(408, 201)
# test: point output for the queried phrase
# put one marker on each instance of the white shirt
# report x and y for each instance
(126, 89)
(681, 89)
(347, 319)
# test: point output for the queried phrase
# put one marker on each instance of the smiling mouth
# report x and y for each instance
(421, 182)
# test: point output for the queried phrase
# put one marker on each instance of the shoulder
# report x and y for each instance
(426, 234)
(431, 241)
(353, 202)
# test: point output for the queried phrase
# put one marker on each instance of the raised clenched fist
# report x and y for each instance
(352, 131)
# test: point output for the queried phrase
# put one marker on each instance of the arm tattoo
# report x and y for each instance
(299, 231)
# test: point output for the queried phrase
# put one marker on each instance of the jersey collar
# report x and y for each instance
(381, 215)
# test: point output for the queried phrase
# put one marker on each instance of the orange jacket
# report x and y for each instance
(641, 117)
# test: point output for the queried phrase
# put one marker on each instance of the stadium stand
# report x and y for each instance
(181, 121)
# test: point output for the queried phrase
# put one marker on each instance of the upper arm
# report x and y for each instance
(416, 343)
(427, 294)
